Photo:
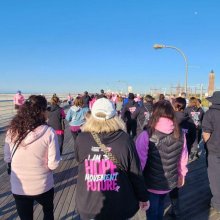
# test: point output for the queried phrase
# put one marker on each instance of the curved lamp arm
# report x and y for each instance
(160, 46)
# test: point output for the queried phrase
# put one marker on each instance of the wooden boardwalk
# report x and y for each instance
(194, 196)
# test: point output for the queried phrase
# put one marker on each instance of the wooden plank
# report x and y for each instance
(60, 177)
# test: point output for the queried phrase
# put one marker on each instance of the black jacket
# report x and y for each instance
(103, 190)
(86, 99)
(188, 127)
(128, 110)
(161, 169)
(55, 117)
(196, 114)
(142, 115)
(211, 124)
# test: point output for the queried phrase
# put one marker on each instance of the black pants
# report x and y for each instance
(60, 141)
(24, 205)
(174, 198)
(214, 179)
(131, 128)
(194, 148)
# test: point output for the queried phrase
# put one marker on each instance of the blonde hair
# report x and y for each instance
(103, 126)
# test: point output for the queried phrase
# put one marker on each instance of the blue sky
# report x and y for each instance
(78, 45)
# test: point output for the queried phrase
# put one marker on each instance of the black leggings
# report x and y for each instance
(60, 141)
(24, 205)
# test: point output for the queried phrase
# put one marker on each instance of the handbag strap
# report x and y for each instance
(106, 151)
(15, 147)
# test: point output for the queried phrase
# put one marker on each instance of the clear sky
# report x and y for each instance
(78, 45)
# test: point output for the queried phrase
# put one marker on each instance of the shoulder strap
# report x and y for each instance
(15, 147)
(106, 151)
(146, 108)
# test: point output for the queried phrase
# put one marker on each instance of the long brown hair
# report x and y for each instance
(163, 109)
(29, 116)
(78, 102)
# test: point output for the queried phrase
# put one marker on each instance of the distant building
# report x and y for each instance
(211, 87)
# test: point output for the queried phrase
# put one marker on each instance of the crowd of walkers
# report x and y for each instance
(131, 151)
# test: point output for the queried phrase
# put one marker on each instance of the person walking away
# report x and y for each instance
(119, 104)
(188, 127)
(126, 112)
(18, 100)
(196, 113)
(111, 176)
(142, 114)
(56, 116)
(69, 99)
(32, 151)
(76, 116)
(163, 154)
(102, 94)
(211, 131)
(86, 99)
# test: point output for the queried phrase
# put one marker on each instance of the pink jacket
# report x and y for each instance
(142, 144)
(19, 99)
(33, 162)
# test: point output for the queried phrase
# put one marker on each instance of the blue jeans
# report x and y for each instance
(155, 212)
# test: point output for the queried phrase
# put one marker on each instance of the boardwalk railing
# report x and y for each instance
(7, 110)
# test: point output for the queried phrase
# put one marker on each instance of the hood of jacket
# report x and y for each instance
(53, 108)
(34, 135)
(181, 117)
(110, 137)
(165, 125)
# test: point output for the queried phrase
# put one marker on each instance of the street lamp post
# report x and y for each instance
(160, 46)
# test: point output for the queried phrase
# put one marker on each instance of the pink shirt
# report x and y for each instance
(33, 161)
(19, 99)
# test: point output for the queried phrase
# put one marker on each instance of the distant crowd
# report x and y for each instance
(131, 151)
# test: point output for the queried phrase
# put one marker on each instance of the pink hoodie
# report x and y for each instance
(166, 126)
(33, 161)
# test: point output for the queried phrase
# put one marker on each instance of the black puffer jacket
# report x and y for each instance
(161, 170)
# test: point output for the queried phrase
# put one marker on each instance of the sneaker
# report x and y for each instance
(61, 158)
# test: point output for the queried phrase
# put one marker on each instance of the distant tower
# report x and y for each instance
(211, 87)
